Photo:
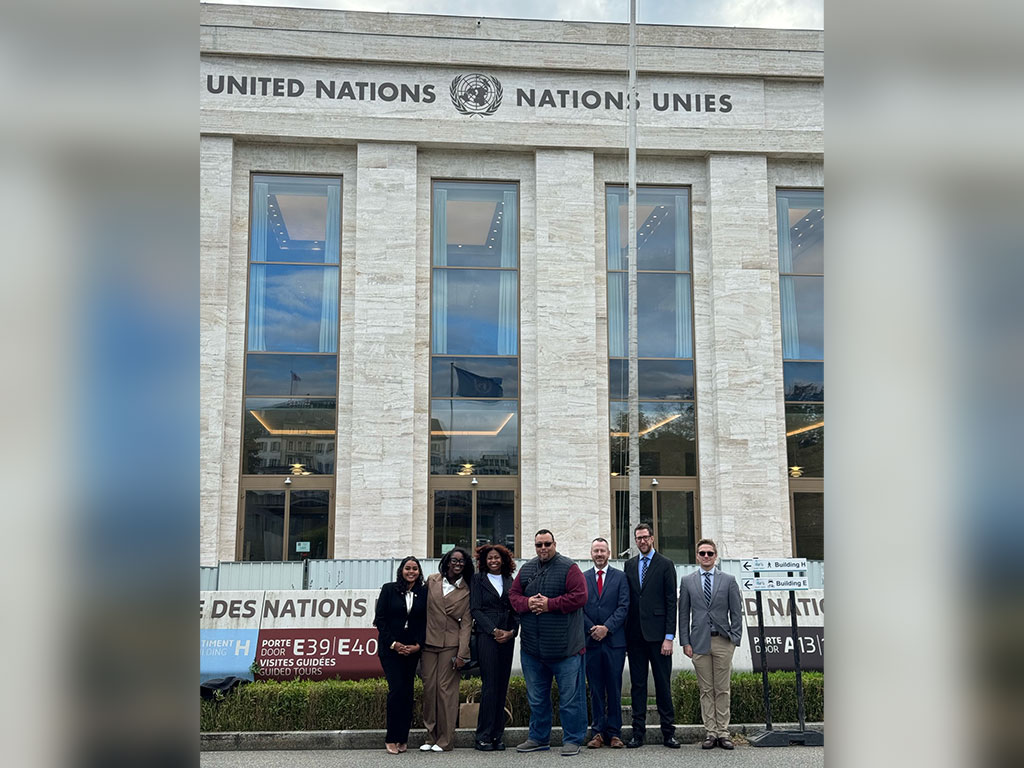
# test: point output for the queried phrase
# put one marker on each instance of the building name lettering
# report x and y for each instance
(426, 93)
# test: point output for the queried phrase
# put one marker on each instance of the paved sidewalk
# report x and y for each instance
(249, 743)
(690, 755)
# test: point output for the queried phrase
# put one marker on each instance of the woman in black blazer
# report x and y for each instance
(496, 626)
(401, 622)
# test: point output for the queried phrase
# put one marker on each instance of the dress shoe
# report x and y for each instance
(671, 742)
(596, 743)
(616, 743)
(725, 743)
(709, 743)
(484, 746)
(499, 745)
(391, 748)
(636, 741)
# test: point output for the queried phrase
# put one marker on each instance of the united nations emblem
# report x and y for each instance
(476, 94)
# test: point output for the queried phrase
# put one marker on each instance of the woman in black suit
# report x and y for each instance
(401, 622)
(496, 626)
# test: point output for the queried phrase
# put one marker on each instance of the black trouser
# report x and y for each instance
(641, 654)
(495, 669)
(400, 672)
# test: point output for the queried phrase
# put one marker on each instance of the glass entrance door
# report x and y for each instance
(670, 508)
(286, 524)
(468, 517)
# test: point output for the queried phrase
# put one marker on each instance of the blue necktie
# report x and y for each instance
(643, 570)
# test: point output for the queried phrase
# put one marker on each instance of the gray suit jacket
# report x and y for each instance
(724, 612)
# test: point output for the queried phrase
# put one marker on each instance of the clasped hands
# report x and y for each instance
(503, 635)
(538, 604)
(406, 650)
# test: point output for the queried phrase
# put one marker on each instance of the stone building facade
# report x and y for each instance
(373, 123)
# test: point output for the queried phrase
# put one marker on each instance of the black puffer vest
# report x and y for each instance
(549, 636)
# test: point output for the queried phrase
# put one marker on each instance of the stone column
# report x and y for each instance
(562, 462)
(216, 156)
(382, 352)
(744, 487)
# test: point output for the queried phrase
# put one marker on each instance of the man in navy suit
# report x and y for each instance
(604, 618)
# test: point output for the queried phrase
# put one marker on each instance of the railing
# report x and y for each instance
(370, 574)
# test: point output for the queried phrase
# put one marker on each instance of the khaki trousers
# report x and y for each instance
(440, 696)
(714, 673)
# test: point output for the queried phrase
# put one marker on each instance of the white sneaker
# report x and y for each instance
(436, 748)
(424, 747)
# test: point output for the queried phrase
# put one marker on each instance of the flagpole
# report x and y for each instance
(634, 399)
(451, 407)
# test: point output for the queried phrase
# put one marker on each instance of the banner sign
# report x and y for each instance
(281, 635)
(320, 634)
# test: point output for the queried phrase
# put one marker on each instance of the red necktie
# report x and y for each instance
(600, 582)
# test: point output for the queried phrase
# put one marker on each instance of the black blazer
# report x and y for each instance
(394, 623)
(490, 611)
(652, 610)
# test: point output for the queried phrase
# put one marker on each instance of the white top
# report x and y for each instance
(447, 587)
(408, 600)
(497, 581)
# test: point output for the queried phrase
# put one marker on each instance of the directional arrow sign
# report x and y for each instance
(752, 564)
(764, 584)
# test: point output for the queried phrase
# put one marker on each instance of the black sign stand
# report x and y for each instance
(769, 737)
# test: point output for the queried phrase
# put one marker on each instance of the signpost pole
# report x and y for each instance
(770, 737)
(764, 665)
(796, 661)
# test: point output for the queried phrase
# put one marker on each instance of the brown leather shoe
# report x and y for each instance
(709, 743)
(616, 743)
(725, 743)
(595, 743)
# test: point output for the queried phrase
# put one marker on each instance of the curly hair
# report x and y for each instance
(467, 569)
(400, 579)
(508, 565)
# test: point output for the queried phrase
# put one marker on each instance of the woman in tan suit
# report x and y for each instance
(447, 649)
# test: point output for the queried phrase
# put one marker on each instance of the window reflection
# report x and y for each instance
(474, 377)
(296, 219)
(805, 440)
(496, 518)
(293, 308)
(668, 439)
(804, 381)
(656, 379)
(474, 437)
(284, 437)
(475, 312)
(809, 524)
(675, 526)
(291, 375)
(307, 525)
(264, 525)
(662, 228)
(803, 317)
(453, 521)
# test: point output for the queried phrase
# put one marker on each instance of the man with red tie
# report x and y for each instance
(604, 618)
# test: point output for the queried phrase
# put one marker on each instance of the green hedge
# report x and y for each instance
(333, 705)
(747, 697)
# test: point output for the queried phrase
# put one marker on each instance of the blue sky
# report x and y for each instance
(781, 14)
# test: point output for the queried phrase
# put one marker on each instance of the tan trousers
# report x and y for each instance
(440, 696)
(714, 673)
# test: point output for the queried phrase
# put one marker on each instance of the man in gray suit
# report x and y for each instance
(710, 629)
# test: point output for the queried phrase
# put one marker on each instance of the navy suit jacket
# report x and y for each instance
(610, 609)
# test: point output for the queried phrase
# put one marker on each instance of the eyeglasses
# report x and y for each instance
(540, 544)
(644, 538)
(705, 554)
(459, 561)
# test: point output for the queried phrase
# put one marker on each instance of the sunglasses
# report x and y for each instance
(540, 544)
(705, 554)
